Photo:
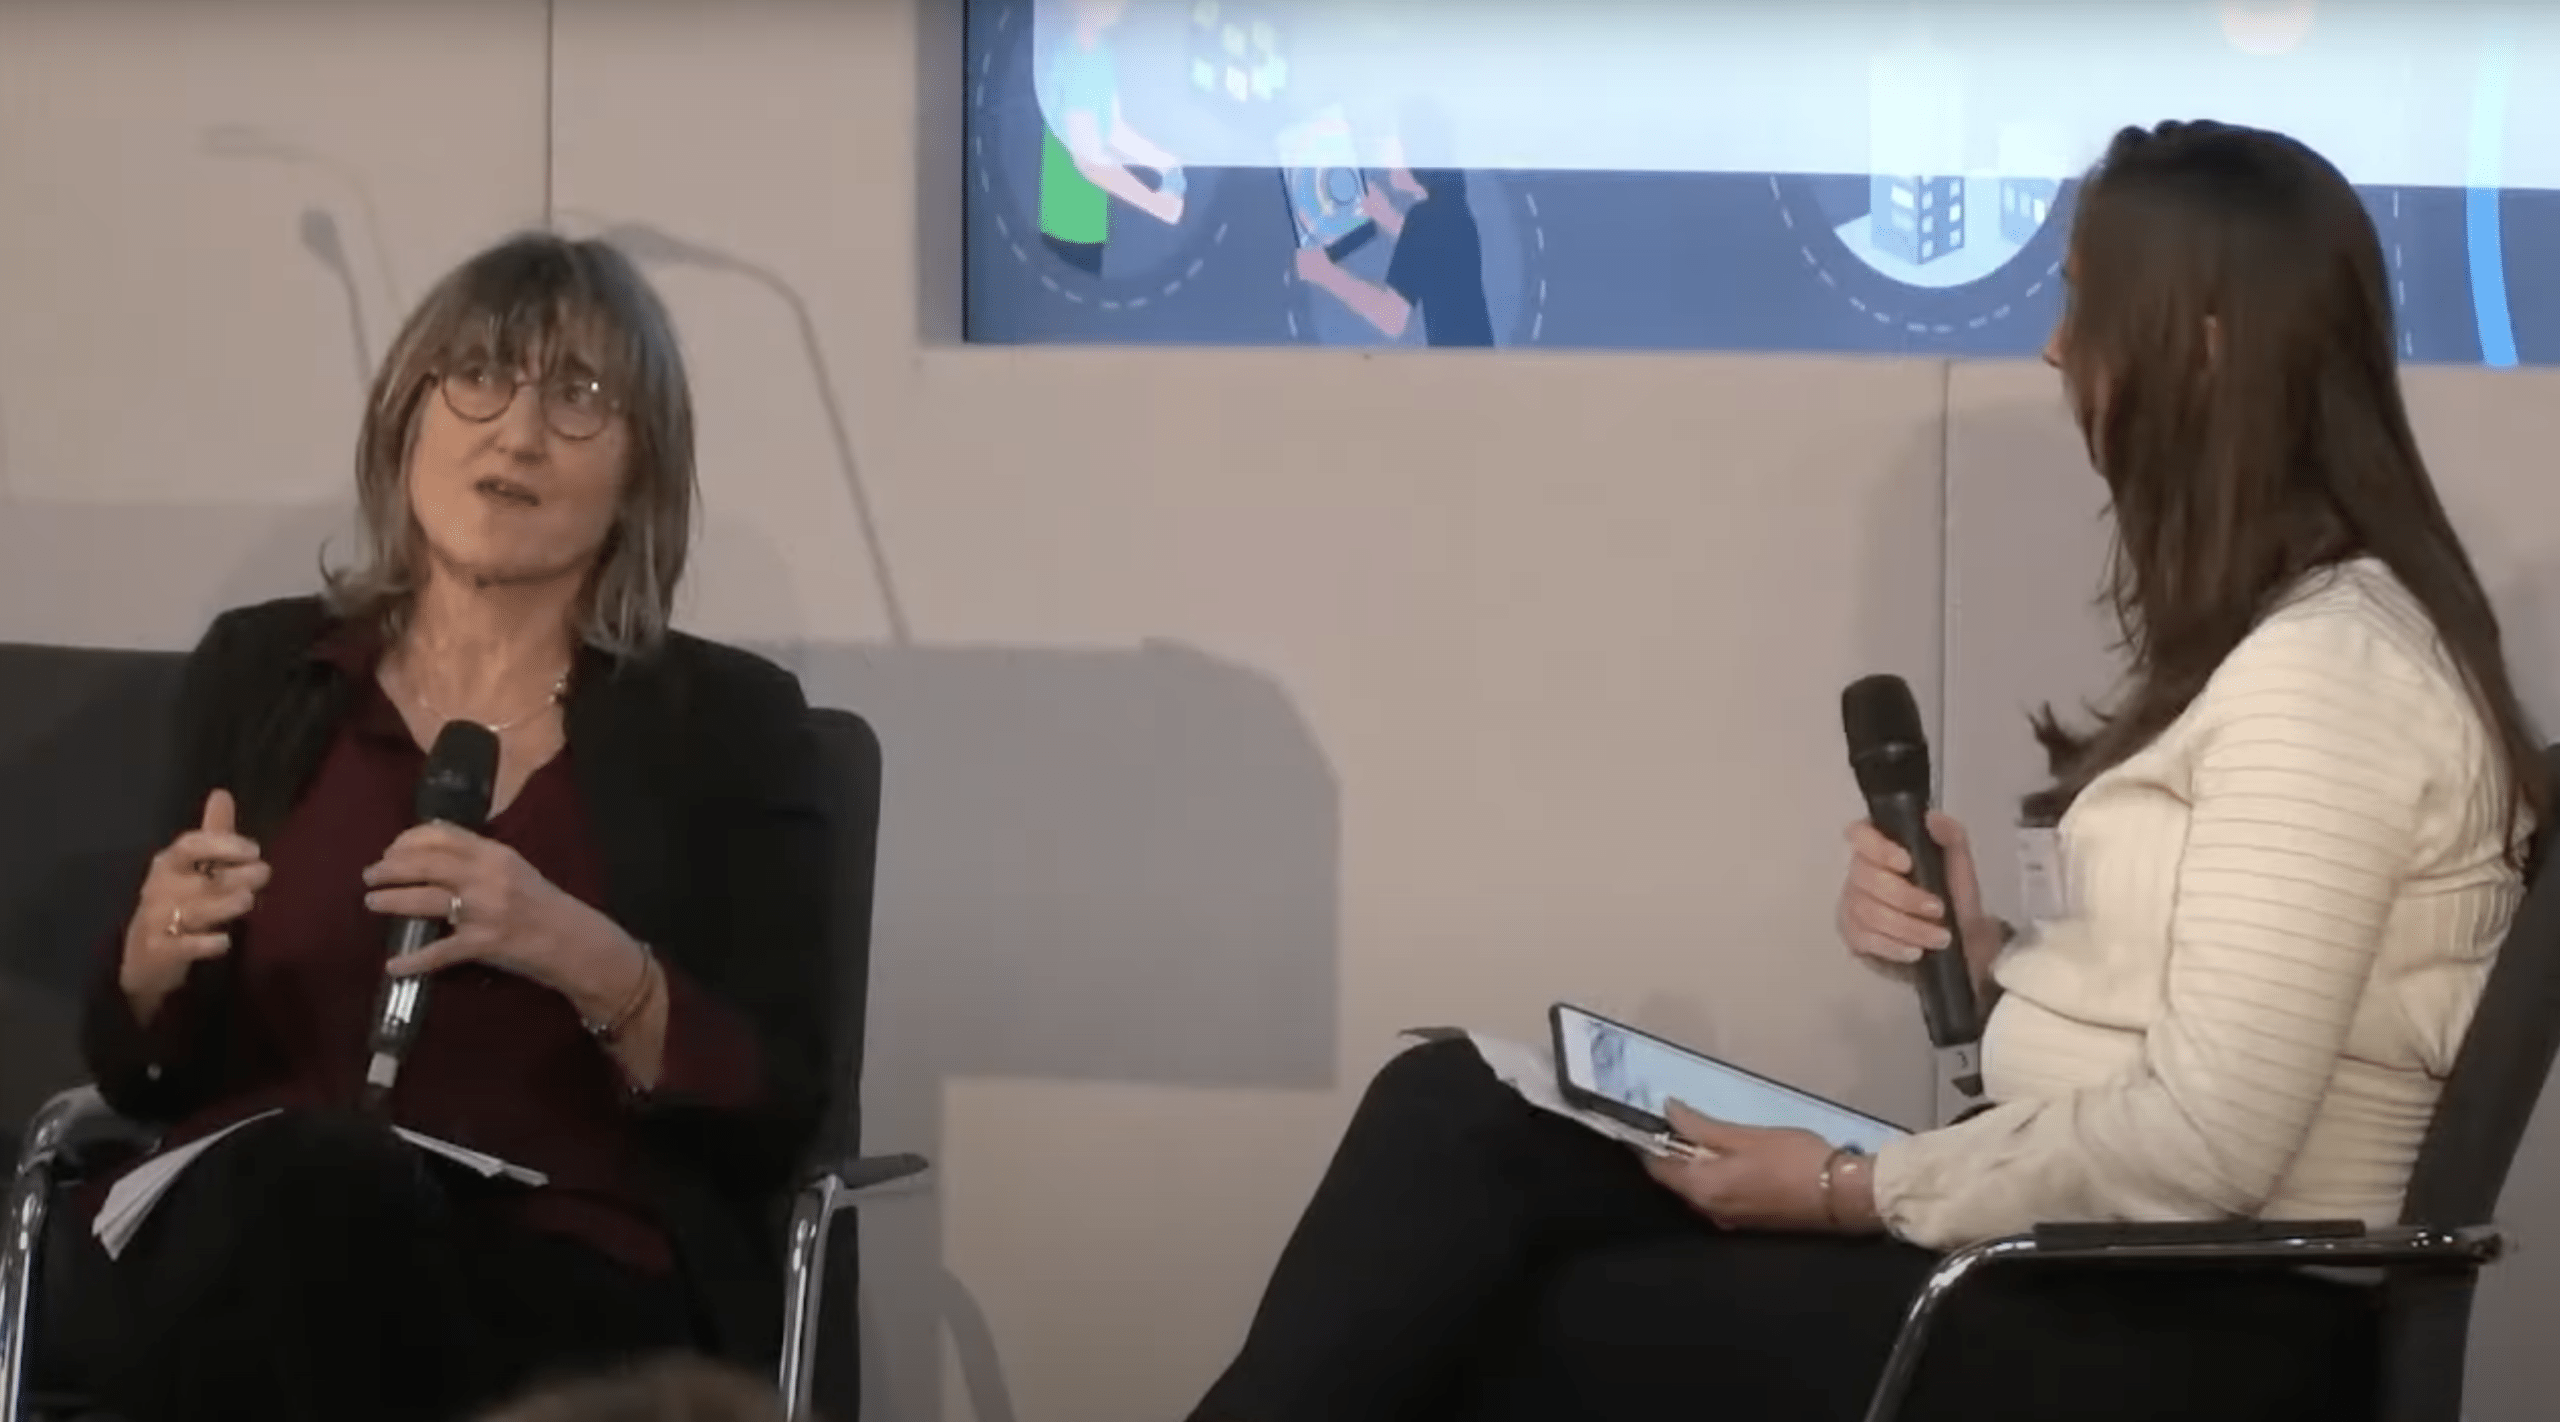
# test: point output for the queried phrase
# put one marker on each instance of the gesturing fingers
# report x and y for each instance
(196, 947)
(199, 850)
(417, 901)
(1869, 845)
(236, 878)
(1698, 1179)
(196, 930)
(1893, 891)
(420, 864)
(435, 854)
(435, 957)
(217, 909)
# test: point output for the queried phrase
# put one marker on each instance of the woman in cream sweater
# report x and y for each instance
(2290, 850)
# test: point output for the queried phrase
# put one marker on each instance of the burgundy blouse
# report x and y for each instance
(501, 1064)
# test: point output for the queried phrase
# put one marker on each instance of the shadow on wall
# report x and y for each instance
(321, 233)
(1883, 1063)
(1094, 865)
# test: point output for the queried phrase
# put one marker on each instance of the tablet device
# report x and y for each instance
(1324, 207)
(1321, 175)
(1613, 1070)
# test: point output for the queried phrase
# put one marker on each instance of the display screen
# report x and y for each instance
(1643, 1072)
(1824, 175)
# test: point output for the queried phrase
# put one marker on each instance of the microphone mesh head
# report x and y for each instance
(461, 776)
(1888, 747)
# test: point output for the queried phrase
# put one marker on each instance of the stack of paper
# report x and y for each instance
(133, 1198)
(487, 1165)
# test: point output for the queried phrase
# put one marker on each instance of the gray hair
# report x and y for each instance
(672, 1388)
(537, 297)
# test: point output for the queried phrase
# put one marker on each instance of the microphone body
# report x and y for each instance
(460, 780)
(1889, 752)
(1946, 981)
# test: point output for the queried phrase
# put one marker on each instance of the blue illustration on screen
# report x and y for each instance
(1829, 176)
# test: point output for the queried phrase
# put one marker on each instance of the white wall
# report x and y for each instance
(1241, 707)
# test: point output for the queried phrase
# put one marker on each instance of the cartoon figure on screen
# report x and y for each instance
(1437, 265)
(1088, 152)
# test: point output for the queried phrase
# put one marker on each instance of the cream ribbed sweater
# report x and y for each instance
(2281, 913)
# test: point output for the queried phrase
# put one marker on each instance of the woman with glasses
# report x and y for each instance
(629, 995)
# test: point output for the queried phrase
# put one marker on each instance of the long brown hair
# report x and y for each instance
(2228, 347)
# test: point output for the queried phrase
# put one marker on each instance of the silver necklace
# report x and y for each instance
(559, 690)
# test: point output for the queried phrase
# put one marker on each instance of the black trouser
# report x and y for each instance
(312, 1268)
(1467, 1255)
(1085, 257)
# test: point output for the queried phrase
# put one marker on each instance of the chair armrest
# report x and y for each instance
(78, 1128)
(828, 1190)
(856, 1173)
(2335, 1243)
(2234, 1244)
(69, 1131)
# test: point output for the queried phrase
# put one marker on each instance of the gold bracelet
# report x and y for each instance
(610, 1031)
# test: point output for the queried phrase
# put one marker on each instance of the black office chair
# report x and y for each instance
(85, 729)
(2430, 1262)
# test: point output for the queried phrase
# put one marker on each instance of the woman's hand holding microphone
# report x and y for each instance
(1885, 918)
(206, 880)
(1748, 1177)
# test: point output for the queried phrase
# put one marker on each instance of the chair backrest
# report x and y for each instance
(852, 754)
(84, 750)
(2498, 1075)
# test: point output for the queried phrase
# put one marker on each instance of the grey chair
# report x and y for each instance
(2429, 1263)
(82, 738)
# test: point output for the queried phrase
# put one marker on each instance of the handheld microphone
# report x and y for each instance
(1889, 752)
(460, 779)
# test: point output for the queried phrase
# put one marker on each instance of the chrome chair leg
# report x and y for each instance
(30, 1195)
(22, 1235)
(813, 1215)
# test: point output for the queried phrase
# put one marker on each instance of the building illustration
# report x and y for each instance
(2025, 203)
(1919, 220)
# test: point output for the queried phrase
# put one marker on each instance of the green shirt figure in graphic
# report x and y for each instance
(1073, 208)
(1085, 143)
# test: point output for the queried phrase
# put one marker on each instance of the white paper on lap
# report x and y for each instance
(131, 1200)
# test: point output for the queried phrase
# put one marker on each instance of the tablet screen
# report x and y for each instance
(1641, 1072)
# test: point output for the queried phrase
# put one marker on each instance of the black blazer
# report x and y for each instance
(704, 785)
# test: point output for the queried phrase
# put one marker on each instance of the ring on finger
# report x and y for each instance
(453, 911)
(177, 923)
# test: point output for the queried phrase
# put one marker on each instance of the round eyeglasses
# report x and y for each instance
(575, 406)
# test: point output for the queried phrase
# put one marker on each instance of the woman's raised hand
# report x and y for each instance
(205, 881)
